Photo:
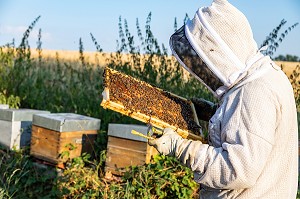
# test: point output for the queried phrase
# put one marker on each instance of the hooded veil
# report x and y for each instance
(216, 46)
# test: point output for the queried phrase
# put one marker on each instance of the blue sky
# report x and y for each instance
(64, 22)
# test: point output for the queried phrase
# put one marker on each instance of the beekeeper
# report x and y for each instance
(253, 136)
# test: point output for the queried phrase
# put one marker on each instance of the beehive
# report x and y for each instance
(4, 106)
(139, 100)
(125, 149)
(15, 127)
(62, 136)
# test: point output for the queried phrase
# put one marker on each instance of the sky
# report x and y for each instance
(64, 22)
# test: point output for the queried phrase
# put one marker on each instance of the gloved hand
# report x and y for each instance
(204, 109)
(167, 143)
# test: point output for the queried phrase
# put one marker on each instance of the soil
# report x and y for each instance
(139, 96)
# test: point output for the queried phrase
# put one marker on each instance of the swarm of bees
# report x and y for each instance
(139, 96)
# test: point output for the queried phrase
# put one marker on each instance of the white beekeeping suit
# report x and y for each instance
(253, 135)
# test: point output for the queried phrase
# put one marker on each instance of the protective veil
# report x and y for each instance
(253, 136)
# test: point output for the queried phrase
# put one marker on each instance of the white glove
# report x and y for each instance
(167, 143)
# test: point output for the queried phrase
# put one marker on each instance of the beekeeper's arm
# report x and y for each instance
(247, 126)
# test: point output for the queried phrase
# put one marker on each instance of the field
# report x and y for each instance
(288, 67)
(96, 58)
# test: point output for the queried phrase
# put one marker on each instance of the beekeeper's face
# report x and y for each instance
(191, 61)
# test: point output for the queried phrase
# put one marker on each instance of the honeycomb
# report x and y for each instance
(140, 97)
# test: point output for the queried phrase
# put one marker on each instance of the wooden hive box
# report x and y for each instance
(62, 136)
(15, 127)
(125, 149)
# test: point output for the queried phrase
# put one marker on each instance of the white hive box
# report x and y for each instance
(15, 127)
(4, 106)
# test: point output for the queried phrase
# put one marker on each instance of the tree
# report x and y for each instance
(291, 58)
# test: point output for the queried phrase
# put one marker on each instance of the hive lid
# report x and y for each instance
(66, 122)
(19, 114)
(124, 131)
(4, 106)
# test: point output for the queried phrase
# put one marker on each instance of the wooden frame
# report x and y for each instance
(118, 107)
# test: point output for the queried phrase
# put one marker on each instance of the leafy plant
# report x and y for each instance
(275, 37)
(12, 101)
(21, 178)
(164, 178)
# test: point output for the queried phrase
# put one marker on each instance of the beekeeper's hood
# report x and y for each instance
(216, 46)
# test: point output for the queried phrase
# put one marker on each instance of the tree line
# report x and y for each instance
(288, 57)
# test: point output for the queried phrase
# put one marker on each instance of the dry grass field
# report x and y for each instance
(288, 67)
(100, 58)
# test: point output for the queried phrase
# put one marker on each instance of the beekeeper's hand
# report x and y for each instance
(167, 143)
(204, 109)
